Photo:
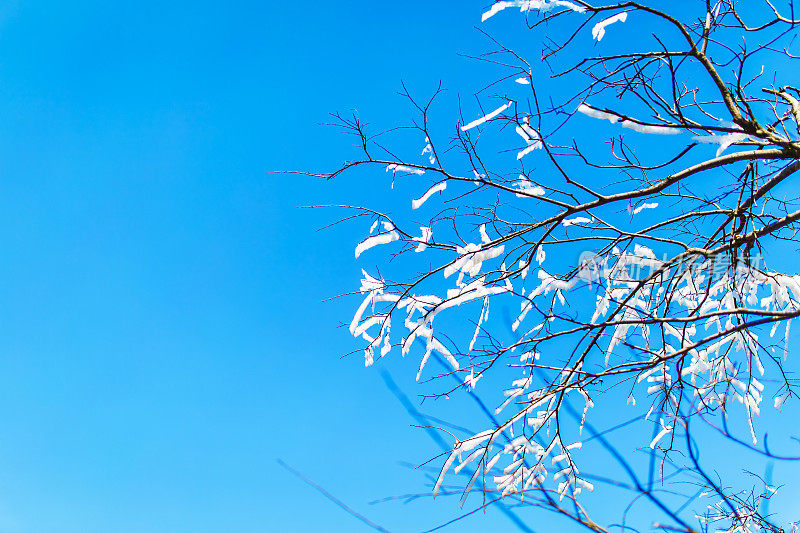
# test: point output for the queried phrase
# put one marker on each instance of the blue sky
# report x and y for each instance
(163, 338)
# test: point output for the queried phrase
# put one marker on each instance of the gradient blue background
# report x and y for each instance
(162, 339)
(162, 336)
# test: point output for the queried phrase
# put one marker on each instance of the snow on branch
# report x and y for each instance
(626, 122)
(530, 5)
(485, 118)
(389, 235)
(439, 187)
(599, 29)
(655, 281)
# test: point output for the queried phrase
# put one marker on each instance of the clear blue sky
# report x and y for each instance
(162, 336)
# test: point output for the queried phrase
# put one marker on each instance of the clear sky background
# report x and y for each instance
(162, 339)
(162, 334)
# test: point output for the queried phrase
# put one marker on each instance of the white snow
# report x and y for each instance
(599, 30)
(528, 5)
(724, 141)
(596, 113)
(479, 121)
(484, 236)
(429, 150)
(402, 168)
(625, 123)
(382, 238)
(416, 204)
(424, 240)
(470, 259)
(540, 255)
(531, 136)
(527, 188)
(576, 220)
(644, 206)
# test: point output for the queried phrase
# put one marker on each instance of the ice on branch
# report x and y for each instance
(490, 116)
(599, 30)
(439, 187)
(390, 235)
(530, 5)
